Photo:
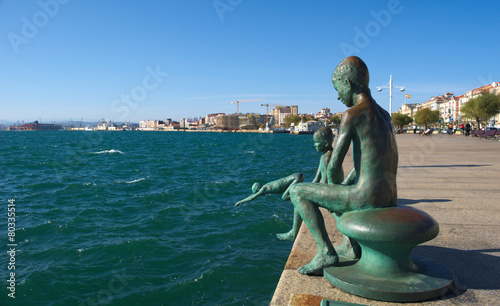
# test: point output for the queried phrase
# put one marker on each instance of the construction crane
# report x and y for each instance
(267, 109)
(239, 101)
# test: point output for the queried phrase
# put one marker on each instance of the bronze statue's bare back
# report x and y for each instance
(377, 165)
(373, 136)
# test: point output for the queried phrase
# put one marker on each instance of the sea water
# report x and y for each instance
(145, 218)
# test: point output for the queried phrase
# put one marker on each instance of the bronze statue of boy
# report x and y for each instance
(372, 182)
(323, 139)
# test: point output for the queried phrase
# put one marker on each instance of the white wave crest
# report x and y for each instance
(112, 151)
(137, 180)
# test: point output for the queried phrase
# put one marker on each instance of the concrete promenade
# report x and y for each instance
(455, 179)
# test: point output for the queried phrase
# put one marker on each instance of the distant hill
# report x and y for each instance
(63, 123)
(6, 122)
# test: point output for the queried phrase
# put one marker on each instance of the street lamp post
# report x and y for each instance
(390, 86)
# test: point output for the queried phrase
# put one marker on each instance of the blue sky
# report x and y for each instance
(138, 60)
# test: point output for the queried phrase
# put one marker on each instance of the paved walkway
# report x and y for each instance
(456, 180)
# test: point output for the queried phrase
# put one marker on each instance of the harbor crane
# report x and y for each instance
(267, 109)
(239, 101)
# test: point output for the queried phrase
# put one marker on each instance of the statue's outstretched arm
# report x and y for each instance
(250, 198)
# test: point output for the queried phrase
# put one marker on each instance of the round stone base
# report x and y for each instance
(431, 280)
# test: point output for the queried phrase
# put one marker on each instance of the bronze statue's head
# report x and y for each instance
(350, 76)
(256, 187)
(323, 139)
(354, 69)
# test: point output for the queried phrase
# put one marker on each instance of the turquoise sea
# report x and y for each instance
(145, 218)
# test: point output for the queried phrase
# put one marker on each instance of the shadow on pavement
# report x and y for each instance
(412, 201)
(445, 166)
(473, 269)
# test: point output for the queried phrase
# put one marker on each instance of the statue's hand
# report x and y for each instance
(238, 204)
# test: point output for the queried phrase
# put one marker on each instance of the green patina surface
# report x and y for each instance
(370, 184)
(375, 259)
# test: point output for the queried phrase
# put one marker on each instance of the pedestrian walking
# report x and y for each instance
(467, 129)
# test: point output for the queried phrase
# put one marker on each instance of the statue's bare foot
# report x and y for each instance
(319, 262)
(348, 249)
(289, 236)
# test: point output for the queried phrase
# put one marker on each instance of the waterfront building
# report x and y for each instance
(493, 88)
(189, 124)
(408, 109)
(184, 123)
(104, 125)
(280, 112)
(449, 106)
(242, 121)
(151, 124)
(192, 125)
(35, 126)
(173, 126)
(439, 103)
(435, 103)
(309, 126)
(227, 122)
(449, 110)
(325, 111)
(210, 118)
(461, 101)
(251, 121)
(323, 115)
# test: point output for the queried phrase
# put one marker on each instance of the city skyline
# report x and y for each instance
(131, 61)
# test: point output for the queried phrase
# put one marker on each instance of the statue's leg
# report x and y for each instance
(297, 219)
(310, 213)
(292, 234)
(274, 187)
(296, 178)
(349, 247)
(282, 184)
